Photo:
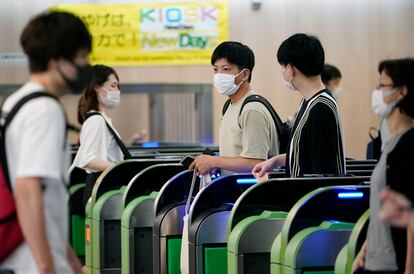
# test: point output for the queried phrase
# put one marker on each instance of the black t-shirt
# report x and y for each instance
(315, 144)
(400, 177)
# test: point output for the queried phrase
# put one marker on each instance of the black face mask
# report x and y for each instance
(84, 76)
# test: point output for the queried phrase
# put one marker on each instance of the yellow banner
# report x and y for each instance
(153, 33)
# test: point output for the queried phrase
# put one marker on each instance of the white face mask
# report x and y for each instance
(336, 92)
(224, 83)
(289, 84)
(111, 99)
(379, 107)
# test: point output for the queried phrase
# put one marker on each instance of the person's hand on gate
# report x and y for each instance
(262, 168)
(203, 163)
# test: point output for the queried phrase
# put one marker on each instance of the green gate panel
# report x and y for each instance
(78, 234)
(174, 252)
(345, 258)
(294, 247)
(215, 260)
(341, 261)
(319, 272)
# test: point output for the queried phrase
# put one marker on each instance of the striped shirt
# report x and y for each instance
(316, 141)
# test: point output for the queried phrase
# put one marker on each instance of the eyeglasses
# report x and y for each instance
(385, 85)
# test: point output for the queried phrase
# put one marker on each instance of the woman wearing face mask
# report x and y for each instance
(388, 249)
(100, 144)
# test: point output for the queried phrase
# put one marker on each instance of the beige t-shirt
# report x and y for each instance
(252, 135)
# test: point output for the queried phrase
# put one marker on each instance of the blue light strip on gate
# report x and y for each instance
(350, 195)
(215, 176)
(151, 145)
(333, 221)
(246, 181)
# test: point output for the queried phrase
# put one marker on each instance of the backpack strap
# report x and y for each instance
(282, 128)
(23, 101)
(225, 106)
(118, 140)
(269, 107)
(7, 122)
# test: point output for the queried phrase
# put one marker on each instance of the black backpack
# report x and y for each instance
(374, 146)
(282, 128)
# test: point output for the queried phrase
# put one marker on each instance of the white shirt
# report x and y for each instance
(96, 141)
(35, 147)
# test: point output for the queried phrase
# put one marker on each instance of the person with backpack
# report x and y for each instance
(247, 135)
(316, 142)
(100, 144)
(37, 152)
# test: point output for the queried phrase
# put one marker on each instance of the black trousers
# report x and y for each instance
(90, 182)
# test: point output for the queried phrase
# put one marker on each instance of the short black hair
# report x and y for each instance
(303, 51)
(54, 35)
(329, 73)
(401, 72)
(236, 53)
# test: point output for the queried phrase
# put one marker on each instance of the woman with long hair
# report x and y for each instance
(100, 144)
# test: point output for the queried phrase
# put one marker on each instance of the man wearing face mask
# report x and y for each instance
(100, 143)
(331, 78)
(37, 152)
(246, 138)
(315, 144)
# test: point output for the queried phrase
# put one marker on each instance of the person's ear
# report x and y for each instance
(293, 70)
(242, 76)
(97, 89)
(246, 74)
(52, 64)
(402, 93)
